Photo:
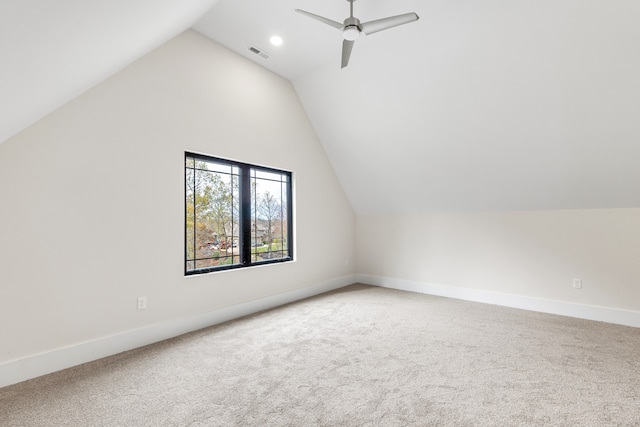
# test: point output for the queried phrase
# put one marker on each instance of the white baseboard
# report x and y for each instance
(19, 370)
(582, 311)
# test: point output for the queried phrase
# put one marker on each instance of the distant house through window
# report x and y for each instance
(236, 214)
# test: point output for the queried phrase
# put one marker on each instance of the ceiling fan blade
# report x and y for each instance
(347, 46)
(384, 23)
(334, 24)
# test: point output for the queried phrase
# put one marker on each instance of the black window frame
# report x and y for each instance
(244, 243)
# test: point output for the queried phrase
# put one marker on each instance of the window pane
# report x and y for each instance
(189, 215)
(268, 216)
(260, 174)
(216, 167)
(213, 197)
(204, 264)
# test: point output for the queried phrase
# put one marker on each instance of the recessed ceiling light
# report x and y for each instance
(276, 41)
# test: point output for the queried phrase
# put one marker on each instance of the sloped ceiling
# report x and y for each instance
(52, 51)
(479, 105)
(490, 105)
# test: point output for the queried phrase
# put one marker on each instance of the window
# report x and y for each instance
(236, 214)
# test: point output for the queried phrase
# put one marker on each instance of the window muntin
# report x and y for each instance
(236, 214)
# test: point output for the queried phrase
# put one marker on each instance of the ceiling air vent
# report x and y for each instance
(260, 53)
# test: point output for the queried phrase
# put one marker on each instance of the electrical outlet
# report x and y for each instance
(577, 283)
(142, 303)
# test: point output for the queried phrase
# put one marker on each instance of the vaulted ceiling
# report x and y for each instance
(479, 105)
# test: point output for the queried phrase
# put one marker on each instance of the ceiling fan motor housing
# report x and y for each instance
(351, 29)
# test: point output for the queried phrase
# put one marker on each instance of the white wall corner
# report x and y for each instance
(563, 308)
(19, 370)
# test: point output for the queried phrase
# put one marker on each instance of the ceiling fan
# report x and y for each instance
(352, 27)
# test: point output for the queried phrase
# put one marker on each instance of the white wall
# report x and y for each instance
(529, 254)
(92, 199)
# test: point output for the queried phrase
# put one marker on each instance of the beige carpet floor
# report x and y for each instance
(360, 356)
